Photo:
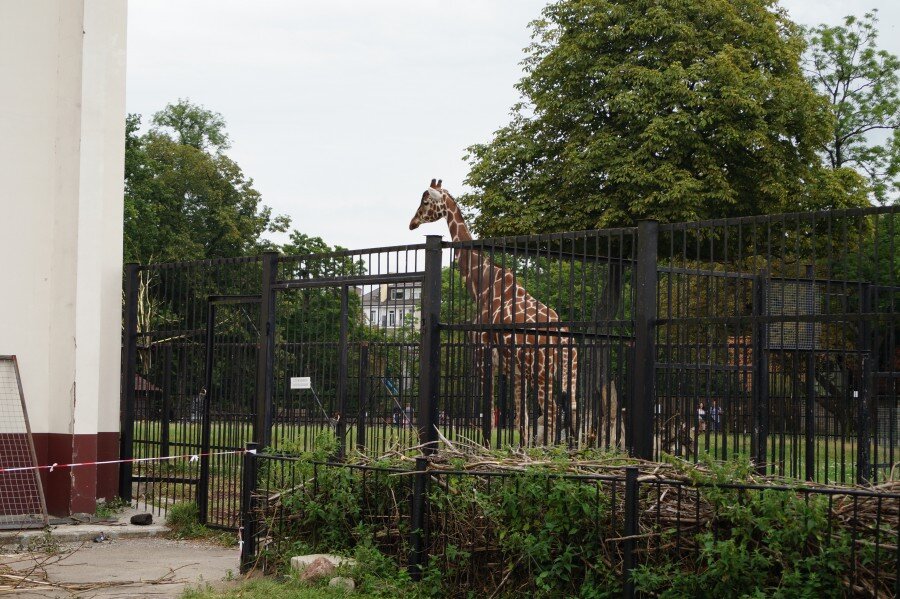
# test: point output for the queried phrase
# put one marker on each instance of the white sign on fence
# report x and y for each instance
(301, 382)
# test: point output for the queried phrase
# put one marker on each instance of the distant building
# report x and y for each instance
(389, 306)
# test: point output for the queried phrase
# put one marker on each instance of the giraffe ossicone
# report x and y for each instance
(532, 356)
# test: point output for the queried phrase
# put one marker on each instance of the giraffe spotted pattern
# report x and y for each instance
(525, 336)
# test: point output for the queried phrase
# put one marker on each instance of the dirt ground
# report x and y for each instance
(143, 567)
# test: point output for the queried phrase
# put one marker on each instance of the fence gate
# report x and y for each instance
(227, 408)
(345, 361)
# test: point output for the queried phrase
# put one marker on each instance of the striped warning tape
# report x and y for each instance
(193, 457)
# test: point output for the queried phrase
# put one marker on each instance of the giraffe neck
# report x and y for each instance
(458, 229)
(477, 271)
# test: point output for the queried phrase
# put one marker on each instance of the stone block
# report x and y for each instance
(342, 582)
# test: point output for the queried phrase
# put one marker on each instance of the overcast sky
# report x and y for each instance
(343, 110)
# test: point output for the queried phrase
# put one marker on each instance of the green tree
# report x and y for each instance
(674, 110)
(184, 197)
(861, 84)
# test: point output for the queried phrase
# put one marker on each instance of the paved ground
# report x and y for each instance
(155, 567)
(79, 567)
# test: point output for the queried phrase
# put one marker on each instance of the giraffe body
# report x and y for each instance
(533, 355)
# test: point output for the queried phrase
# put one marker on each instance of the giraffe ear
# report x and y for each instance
(433, 184)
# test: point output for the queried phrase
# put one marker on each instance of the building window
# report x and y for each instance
(391, 320)
(372, 316)
(398, 294)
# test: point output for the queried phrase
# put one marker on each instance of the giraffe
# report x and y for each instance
(537, 353)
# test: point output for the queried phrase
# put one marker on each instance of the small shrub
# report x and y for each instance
(111, 507)
(184, 519)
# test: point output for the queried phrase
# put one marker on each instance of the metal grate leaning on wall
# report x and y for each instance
(21, 496)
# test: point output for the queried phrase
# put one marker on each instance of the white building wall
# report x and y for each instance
(62, 118)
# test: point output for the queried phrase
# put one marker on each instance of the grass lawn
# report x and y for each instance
(270, 589)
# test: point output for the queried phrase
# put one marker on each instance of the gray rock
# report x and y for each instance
(342, 582)
(142, 519)
(301, 562)
(320, 568)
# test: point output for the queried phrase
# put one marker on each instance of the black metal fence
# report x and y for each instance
(771, 337)
(776, 337)
(483, 531)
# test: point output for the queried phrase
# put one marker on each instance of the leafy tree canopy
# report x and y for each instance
(666, 109)
(861, 84)
(184, 197)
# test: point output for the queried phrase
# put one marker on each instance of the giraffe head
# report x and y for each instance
(432, 207)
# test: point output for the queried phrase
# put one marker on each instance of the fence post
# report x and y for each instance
(340, 428)
(640, 413)
(418, 558)
(265, 371)
(129, 373)
(760, 438)
(864, 394)
(809, 417)
(632, 507)
(363, 403)
(430, 349)
(248, 507)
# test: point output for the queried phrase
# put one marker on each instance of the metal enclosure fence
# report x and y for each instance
(771, 337)
(776, 337)
(469, 525)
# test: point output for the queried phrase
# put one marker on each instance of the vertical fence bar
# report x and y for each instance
(640, 413)
(248, 508)
(429, 373)
(864, 394)
(206, 424)
(363, 403)
(810, 428)
(265, 371)
(417, 556)
(503, 416)
(632, 507)
(341, 426)
(430, 350)
(759, 440)
(863, 465)
(165, 420)
(487, 392)
(129, 373)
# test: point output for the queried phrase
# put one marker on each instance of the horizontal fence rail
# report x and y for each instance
(772, 338)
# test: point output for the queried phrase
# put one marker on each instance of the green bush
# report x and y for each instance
(542, 534)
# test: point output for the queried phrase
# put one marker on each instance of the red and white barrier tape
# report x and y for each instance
(194, 457)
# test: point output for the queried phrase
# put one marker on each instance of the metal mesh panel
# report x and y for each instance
(21, 499)
(793, 298)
